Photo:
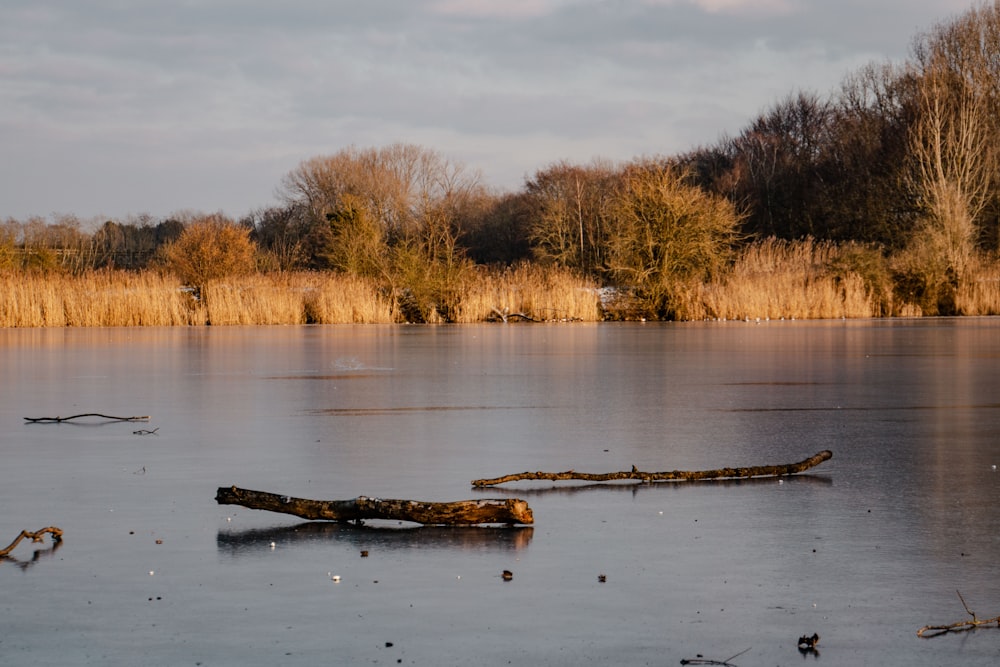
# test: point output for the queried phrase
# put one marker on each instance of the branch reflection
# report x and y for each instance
(465, 538)
(35, 557)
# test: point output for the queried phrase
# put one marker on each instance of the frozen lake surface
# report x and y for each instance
(863, 550)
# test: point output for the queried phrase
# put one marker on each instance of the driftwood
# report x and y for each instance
(34, 537)
(929, 631)
(464, 512)
(56, 420)
(674, 475)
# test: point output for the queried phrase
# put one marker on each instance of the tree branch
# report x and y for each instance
(37, 420)
(929, 631)
(674, 475)
(35, 537)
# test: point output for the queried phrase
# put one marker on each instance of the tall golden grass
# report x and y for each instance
(771, 279)
(979, 292)
(101, 298)
(775, 279)
(542, 293)
(301, 297)
(120, 298)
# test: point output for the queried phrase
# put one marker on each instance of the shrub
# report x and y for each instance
(667, 234)
(867, 262)
(209, 249)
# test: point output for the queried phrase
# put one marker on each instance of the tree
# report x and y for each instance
(287, 237)
(863, 168)
(828, 169)
(666, 234)
(499, 233)
(778, 160)
(954, 154)
(954, 139)
(358, 244)
(210, 248)
(431, 269)
(394, 214)
(394, 185)
(9, 256)
(568, 210)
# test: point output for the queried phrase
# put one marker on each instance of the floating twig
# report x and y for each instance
(464, 512)
(674, 475)
(35, 537)
(705, 661)
(929, 631)
(56, 420)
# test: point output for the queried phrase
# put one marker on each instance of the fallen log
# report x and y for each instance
(674, 475)
(463, 512)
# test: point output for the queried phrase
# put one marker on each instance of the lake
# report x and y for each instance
(862, 550)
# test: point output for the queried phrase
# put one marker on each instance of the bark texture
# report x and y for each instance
(463, 512)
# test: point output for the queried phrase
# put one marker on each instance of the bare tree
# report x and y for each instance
(954, 139)
(395, 183)
(569, 209)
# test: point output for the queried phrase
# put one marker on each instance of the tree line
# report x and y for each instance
(901, 161)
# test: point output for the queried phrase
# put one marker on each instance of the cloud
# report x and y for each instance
(741, 7)
(117, 107)
(519, 9)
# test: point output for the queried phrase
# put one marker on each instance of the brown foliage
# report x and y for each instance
(210, 248)
(667, 234)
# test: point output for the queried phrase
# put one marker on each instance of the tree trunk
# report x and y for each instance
(463, 512)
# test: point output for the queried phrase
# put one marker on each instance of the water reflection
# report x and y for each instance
(364, 537)
(872, 408)
(36, 556)
(864, 551)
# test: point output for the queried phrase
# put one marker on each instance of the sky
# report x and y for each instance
(111, 109)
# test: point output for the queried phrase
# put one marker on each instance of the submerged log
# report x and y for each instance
(674, 475)
(463, 512)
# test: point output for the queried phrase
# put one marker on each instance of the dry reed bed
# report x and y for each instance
(770, 280)
(774, 279)
(540, 293)
(979, 294)
(297, 298)
(119, 298)
(105, 298)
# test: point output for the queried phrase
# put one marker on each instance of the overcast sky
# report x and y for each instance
(113, 108)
